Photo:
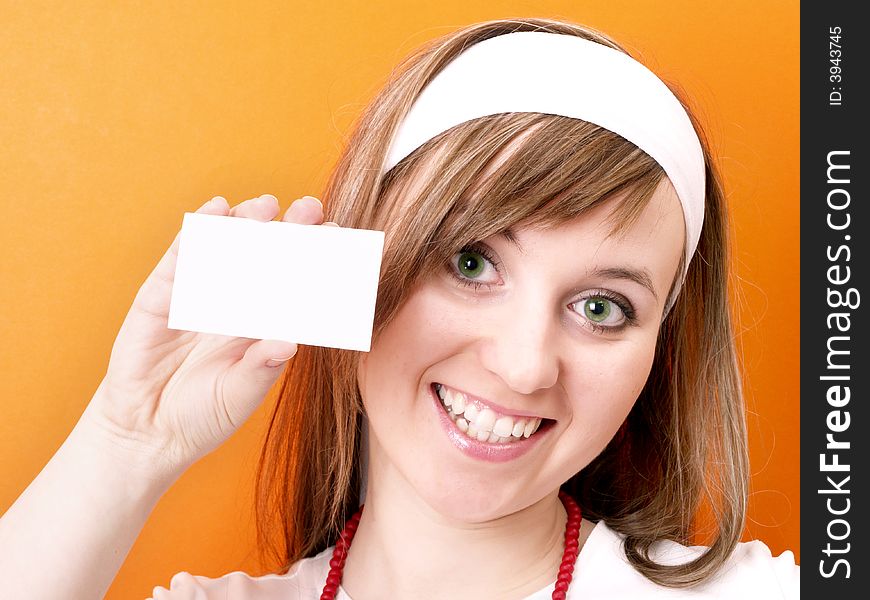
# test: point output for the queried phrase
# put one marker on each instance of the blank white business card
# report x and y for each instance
(308, 284)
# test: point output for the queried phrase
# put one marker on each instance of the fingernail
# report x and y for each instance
(277, 362)
(218, 201)
(315, 199)
(266, 199)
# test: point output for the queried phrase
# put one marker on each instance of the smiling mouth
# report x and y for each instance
(483, 424)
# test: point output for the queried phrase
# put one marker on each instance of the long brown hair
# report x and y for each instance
(684, 442)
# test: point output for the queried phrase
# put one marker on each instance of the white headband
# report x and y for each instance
(534, 71)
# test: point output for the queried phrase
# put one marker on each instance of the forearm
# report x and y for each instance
(69, 532)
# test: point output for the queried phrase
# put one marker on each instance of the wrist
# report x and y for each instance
(145, 467)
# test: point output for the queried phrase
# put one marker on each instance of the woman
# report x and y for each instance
(552, 330)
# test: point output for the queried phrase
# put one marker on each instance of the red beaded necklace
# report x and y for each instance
(566, 569)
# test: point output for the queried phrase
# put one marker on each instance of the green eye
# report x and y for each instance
(602, 313)
(470, 264)
(597, 309)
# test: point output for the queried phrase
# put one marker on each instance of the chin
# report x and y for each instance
(473, 500)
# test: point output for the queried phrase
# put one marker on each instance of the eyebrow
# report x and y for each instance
(639, 276)
(512, 238)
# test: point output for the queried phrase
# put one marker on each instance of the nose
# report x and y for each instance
(521, 346)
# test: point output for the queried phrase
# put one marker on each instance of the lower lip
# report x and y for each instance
(483, 450)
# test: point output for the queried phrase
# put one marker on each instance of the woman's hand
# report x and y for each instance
(170, 397)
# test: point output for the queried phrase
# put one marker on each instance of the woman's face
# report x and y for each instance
(556, 326)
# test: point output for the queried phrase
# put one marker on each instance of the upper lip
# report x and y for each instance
(494, 405)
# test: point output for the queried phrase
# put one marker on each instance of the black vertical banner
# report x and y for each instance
(835, 363)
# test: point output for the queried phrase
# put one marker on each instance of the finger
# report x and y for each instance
(248, 380)
(154, 295)
(331, 224)
(307, 210)
(261, 208)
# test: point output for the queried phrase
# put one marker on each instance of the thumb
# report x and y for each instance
(248, 380)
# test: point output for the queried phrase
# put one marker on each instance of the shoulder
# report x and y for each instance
(304, 581)
(752, 563)
(751, 571)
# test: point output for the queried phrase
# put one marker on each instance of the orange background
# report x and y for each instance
(115, 119)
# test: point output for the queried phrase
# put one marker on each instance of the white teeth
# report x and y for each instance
(485, 419)
(485, 425)
(530, 427)
(458, 403)
(503, 427)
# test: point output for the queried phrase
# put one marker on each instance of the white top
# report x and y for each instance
(601, 572)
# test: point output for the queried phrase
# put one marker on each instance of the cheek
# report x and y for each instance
(428, 326)
(415, 339)
(605, 391)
